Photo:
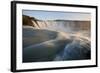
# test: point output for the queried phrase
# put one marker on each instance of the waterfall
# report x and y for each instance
(55, 40)
(63, 25)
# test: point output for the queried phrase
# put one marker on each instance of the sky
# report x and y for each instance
(54, 15)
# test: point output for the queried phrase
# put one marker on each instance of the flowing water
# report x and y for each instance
(56, 41)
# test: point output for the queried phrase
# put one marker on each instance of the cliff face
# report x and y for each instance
(28, 20)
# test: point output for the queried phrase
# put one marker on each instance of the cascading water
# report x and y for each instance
(63, 25)
(55, 40)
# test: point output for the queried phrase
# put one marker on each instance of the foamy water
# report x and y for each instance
(71, 41)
